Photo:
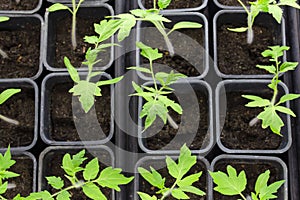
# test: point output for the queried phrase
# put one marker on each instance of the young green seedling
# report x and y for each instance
(4, 96)
(84, 88)
(183, 184)
(157, 102)
(5, 163)
(93, 179)
(128, 21)
(269, 115)
(73, 11)
(235, 184)
(2, 53)
(272, 7)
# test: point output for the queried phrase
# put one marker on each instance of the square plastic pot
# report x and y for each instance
(52, 154)
(84, 122)
(197, 53)
(238, 18)
(255, 87)
(188, 94)
(32, 87)
(159, 162)
(21, 23)
(87, 11)
(231, 7)
(31, 11)
(259, 162)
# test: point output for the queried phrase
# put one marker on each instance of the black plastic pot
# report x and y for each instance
(23, 136)
(30, 29)
(230, 91)
(50, 161)
(258, 165)
(27, 11)
(236, 19)
(159, 163)
(192, 126)
(191, 54)
(92, 11)
(81, 122)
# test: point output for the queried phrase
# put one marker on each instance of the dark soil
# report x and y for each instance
(55, 169)
(24, 183)
(237, 134)
(21, 108)
(149, 189)
(63, 45)
(168, 133)
(234, 2)
(63, 126)
(176, 4)
(252, 170)
(23, 48)
(22, 5)
(235, 56)
(185, 62)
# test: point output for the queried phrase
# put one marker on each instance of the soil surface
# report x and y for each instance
(55, 169)
(176, 4)
(252, 170)
(63, 45)
(21, 108)
(236, 56)
(149, 189)
(24, 183)
(233, 2)
(63, 126)
(23, 49)
(188, 58)
(22, 5)
(237, 134)
(167, 133)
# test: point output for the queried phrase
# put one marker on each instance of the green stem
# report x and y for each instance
(153, 76)
(2, 198)
(166, 194)
(9, 120)
(244, 6)
(250, 34)
(154, 4)
(276, 82)
(243, 196)
(161, 29)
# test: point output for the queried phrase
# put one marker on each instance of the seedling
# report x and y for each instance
(183, 184)
(85, 89)
(4, 96)
(93, 179)
(269, 116)
(157, 102)
(2, 53)
(233, 184)
(73, 11)
(272, 7)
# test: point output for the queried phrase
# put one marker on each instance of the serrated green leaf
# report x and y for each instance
(184, 24)
(128, 22)
(3, 187)
(259, 103)
(6, 94)
(253, 196)
(141, 69)
(72, 70)
(72, 165)
(55, 182)
(139, 12)
(56, 7)
(44, 195)
(8, 174)
(288, 97)
(153, 177)
(285, 110)
(91, 170)
(276, 12)
(162, 4)
(152, 109)
(109, 81)
(139, 91)
(274, 51)
(271, 119)
(292, 3)
(287, 66)
(270, 68)
(106, 29)
(179, 194)
(189, 180)
(3, 18)
(91, 39)
(92, 191)
(168, 102)
(64, 195)
(268, 192)
(252, 97)
(193, 190)
(262, 181)
(155, 18)
(239, 30)
(112, 178)
(145, 196)
(148, 52)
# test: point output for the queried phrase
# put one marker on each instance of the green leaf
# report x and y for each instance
(109, 81)
(193, 190)
(6, 162)
(128, 21)
(151, 109)
(292, 3)
(44, 195)
(168, 102)
(72, 70)
(262, 181)
(145, 196)
(139, 12)
(91, 39)
(148, 52)
(162, 4)
(3, 18)
(72, 165)
(267, 193)
(285, 110)
(184, 24)
(64, 195)
(288, 97)
(259, 103)
(92, 191)
(179, 194)
(271, 119)
(57, 6)
(287, 66)
(276, 12)
(141, 69)
(91, 170)
(252, 97)
(153, 177)
(189, 180)
(106, 29)
(155, 18)
(6, 94)
(270, 68)
(112, 178)
(231, 184)
(3, 187)
(55, 182)
(139, 90)
(274, 51)
(239, 30)
(8, 174)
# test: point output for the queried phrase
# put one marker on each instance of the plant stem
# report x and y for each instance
(11, 121)
(73, 31)
(243, 196)
(253, 121)
(3, 54)
(250, 34)
(161, 29)
(172, 122)
(154, 4)
(169, 191)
